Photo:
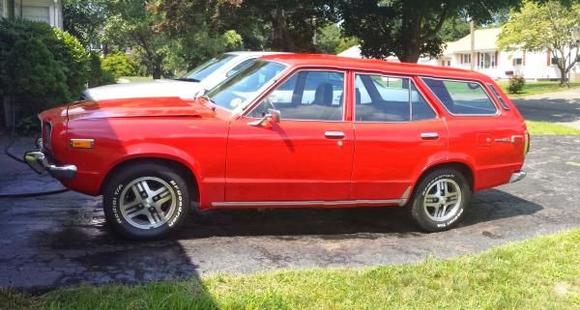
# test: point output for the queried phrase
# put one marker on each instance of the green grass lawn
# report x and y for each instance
(543, 273)
(535, 88)
(547, 128)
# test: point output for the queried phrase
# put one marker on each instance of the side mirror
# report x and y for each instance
(273, 116)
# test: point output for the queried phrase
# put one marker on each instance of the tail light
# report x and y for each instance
(526, 143)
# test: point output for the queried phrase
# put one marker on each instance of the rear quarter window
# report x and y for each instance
(462, 97)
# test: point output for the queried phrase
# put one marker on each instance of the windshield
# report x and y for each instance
(242, 87)
(204, 70)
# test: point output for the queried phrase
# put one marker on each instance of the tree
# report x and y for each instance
(454, 29)
(196, 29)
(549, 25)
(130, 25)
(409, 29)
(84, 19)
(329, 39)
(286, 25)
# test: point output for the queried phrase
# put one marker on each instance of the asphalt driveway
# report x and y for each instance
(561, 107)
(62, 240)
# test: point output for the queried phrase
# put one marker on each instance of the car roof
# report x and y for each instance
(333, 61)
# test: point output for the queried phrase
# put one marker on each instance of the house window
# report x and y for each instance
(465, 58)
(36, 13)
(517, 61)
(554, 60)
(487, 60)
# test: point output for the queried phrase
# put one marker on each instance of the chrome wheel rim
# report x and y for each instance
(148, 202)
(442, 200)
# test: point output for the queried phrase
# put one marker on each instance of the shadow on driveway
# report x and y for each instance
(550, 109)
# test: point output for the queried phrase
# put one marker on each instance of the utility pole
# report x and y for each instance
(472, 36)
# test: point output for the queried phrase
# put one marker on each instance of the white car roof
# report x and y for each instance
(254, 53)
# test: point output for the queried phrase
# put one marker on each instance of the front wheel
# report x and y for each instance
(440, 200)
(146, 201)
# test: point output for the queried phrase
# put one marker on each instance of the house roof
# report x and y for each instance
(485, 40)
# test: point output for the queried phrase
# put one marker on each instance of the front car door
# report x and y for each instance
(397, 133)
(305, 158)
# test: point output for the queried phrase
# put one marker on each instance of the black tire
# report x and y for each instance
(426, 217)
(117, 190)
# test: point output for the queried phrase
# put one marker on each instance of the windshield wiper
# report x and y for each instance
(186, 79)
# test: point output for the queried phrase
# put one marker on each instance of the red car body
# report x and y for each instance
(292, 163)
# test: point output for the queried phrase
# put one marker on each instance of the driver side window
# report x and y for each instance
(307, 95)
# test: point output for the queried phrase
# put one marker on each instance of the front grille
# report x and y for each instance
(46, 132)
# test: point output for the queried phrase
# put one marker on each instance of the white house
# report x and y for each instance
(488, 59)
(48, 11)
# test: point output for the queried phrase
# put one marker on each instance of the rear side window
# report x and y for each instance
(380, 98)
(462, 97)
(498, 96)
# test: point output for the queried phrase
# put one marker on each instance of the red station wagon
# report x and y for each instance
(291, 131)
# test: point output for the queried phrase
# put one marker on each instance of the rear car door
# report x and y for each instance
(306, 157)
(397, 135)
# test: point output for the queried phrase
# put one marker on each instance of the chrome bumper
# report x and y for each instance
(39, 163)
(517, 176)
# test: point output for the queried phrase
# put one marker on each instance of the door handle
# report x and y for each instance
(333, 134)
(429, 135)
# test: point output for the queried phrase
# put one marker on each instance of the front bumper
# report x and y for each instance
(39, 163)
(517, 176)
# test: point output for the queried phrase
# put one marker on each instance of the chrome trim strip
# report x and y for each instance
(307, 203)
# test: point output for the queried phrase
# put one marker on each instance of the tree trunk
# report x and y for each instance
(563, 76)
(410, 56)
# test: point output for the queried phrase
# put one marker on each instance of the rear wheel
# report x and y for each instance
(440, 200)
(146, 200)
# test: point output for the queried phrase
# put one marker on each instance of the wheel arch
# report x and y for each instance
(177, 164)
(461, 166)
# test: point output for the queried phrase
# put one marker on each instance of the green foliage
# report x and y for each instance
(84, 19)
(74, 59)
(454, 29)
(118, 64)
(28, 126)
(516, 84)
(32, 76)
(98, 76)
(545, 25)
(329, 39)
(409, 29)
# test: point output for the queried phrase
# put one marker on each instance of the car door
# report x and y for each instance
(306, 157)
(397, 135)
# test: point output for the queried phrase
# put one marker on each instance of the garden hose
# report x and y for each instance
(25, 195)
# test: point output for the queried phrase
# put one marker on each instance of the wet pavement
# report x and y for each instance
(62, 240)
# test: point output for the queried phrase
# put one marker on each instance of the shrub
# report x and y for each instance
(98, 76)
(35, 80)
(118, 64)
(40, 66)
(516, 84)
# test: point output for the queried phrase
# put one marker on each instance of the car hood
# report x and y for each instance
(150, 89)
(138, 107)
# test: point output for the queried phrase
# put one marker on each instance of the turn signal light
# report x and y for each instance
(82, 143)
